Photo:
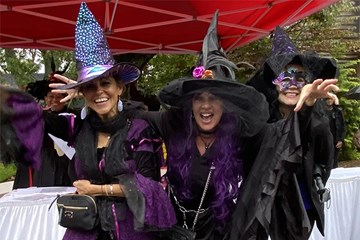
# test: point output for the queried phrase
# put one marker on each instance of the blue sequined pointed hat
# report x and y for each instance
(93, 56)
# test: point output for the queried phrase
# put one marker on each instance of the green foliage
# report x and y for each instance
(163, 68)
(61, 59)
(7, 171)
(20, 63)
(351, 108)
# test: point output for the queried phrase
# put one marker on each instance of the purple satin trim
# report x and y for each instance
(116, 222)
(128, 232)
(159, 211)
(72, 234)
(28, 123)
(101, 165)
(137, 126)
(71, 130)
(146, 145)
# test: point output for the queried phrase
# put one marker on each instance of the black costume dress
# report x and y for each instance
(337, 128)
(261, 176)
(287, 204)
(168, 124)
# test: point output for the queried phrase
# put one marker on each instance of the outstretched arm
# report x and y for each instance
(318, 89)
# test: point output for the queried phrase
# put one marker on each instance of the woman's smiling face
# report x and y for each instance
(290, 95)
(102, 95)
(207, 110)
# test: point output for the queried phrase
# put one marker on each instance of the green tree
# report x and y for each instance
(22, 64)
(163, 68)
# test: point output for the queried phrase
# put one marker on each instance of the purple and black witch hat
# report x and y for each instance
(284, 52)
(93, 56)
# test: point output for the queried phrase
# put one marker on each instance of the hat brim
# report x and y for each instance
(125, 72)
(318, 67)
(244, 101)
(177, 89)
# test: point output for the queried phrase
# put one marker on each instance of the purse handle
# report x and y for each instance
(199, 210)
(56, 198)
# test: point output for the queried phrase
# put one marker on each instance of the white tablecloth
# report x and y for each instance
(342, 214)
(24, 213)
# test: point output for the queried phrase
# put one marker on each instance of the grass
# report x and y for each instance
(7, 171)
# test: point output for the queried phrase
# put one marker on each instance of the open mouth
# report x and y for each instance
(291, 94)
(206, 117)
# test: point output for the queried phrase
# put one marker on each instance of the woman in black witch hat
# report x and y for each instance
(213, 131)
(281, 80)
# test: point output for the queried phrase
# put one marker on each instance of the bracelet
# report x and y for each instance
(111, 190)
(106, 192)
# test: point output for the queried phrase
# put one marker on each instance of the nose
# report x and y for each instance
(293, 86)
(98, 86)
(206, 103)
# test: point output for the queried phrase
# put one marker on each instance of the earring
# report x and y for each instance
(120, 105)
(84, 112)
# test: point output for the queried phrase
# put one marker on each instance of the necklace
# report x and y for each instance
(207, 144)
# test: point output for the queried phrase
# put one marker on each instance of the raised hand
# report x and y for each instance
(71, 93)
(318, 89)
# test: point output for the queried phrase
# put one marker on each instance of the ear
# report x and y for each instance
(122, 88)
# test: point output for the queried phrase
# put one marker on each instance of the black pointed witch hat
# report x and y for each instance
(216, 74)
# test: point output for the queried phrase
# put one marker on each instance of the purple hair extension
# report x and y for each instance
(225, 157)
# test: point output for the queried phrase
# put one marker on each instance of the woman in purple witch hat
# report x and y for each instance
(300, 199)
(116, 157)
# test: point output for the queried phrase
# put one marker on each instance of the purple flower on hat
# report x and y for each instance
(198, 71)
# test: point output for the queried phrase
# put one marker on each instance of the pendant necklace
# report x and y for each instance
(207, 144)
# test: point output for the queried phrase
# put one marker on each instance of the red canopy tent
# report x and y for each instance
(148, 26)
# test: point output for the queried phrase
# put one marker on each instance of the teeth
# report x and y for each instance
(291, 94)
(206, 114)
(99, 100)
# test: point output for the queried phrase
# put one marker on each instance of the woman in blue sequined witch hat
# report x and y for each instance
(116, 158)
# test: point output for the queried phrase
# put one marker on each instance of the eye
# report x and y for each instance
(301, 80)
(105, 82)
(213, 98)
(286, 79)
(300, 77)
(198, 97)
(88, 87)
